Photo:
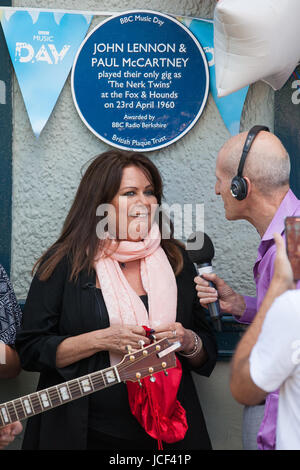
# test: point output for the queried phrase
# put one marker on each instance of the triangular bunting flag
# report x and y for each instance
(42, 47)
(230, 107)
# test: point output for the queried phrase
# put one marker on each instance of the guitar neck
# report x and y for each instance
(43, 400)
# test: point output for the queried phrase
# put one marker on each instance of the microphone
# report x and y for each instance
(201, 257)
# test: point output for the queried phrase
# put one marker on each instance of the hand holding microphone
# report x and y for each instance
(202, 257)
(230, 301)
(213, 292)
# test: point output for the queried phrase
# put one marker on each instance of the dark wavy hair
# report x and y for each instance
(99, 185)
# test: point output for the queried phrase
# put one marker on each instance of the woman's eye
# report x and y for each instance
(149, 192)
(129, 193)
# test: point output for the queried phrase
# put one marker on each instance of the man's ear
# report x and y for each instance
(249, 185)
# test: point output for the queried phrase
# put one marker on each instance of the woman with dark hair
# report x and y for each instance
(110, 274)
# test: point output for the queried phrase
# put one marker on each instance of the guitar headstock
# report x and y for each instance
(149, 360)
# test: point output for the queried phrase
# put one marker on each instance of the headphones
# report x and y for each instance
(239, 187)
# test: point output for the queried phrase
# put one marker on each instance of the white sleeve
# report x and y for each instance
(277, 351)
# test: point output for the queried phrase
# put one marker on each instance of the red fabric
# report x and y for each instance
(148, 331)
(156, 407)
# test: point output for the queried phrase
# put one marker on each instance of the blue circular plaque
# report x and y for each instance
(140, 80)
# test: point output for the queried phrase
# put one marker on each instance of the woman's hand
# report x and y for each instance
(114, 339)
(117, 338)
(176, 332)
(8, 433)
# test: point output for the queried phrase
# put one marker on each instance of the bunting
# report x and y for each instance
(42, 46)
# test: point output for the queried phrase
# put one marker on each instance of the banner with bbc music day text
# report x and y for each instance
(42, 47)
(230, 107)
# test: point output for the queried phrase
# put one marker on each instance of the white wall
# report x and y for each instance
(46, 173)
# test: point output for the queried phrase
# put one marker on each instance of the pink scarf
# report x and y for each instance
(124, 306)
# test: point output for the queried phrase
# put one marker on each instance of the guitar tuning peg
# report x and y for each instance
(152, 379)
(164, 365)
(138, 376)
(141, 344)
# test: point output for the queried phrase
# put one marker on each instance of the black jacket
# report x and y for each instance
(57, 309)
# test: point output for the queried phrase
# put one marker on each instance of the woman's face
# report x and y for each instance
(135, 205)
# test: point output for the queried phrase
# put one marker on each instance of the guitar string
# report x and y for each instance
(95, 378)
(74, 386)
(35, 397)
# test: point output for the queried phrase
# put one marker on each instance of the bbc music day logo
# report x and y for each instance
(47, 52)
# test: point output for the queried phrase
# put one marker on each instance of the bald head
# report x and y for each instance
(267, 164)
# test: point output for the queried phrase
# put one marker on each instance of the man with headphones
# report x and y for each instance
(252, 173)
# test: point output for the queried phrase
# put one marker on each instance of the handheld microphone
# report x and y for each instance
(202, 257)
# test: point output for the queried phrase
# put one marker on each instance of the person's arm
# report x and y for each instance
(242, 386)
(191, 344)
(10, 363)
(12, 315)
(39, 343)
(249, 312)
(38, 338)
(9, 359)
(197, 355)
(114, 339)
